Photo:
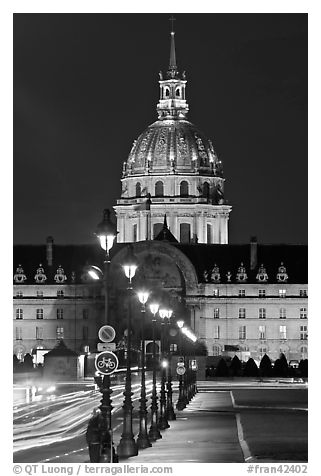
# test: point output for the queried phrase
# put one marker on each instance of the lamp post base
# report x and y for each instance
(143, 442)
(154, 433)
(126, 448)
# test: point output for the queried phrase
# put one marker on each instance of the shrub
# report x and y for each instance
(221, 369)
(27, 362)
(303, 367)
(236, 367)
(280, 369)
(250, 369)
(265, 366)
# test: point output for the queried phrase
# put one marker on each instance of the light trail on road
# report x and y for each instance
(66, 417)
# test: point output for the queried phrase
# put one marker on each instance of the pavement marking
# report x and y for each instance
(240, 434)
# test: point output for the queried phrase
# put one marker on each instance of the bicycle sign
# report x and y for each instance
(106, 362)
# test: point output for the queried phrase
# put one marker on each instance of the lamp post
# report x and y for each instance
(170, 413)
(163, 422)
(154, 433)
(127, 446)
(142, 439)
(181, 403)
(106, 232)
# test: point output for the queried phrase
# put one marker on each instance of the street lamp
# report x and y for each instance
(154, 433)
(142, 439)
(163, 422)
(127, 446)
(181, 402)
(106, 232)
(169, 409)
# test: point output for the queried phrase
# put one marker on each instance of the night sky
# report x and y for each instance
(86, 86)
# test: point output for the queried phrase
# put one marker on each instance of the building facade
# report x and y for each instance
(238, 299)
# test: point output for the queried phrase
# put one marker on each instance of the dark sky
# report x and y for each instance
(86, 85)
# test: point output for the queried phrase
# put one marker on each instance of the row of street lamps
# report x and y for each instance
(160, 415)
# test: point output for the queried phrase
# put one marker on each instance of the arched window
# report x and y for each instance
(185, 233)
(206, 190)
(209, 233)
(184, 189)
(138, 189)
(157, 228)
(159, 189)
(178, 92)
(166, 92)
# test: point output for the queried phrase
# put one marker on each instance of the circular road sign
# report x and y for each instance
(180, 370)
(106, 333)
(106, 362)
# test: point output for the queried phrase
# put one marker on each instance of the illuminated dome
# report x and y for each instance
(172, 146)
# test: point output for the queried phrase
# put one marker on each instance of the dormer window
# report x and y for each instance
(282, 276)
(40, 276)
(215, 275)
(167, 92)
(262, 276)
(19, 276)
(178, 93)
(241, 275)
(60, 276)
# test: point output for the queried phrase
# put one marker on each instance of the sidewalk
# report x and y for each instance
(204, 432)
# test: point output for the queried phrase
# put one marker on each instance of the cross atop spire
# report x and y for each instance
(172, 70)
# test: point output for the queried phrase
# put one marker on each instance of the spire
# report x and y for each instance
(172, 70)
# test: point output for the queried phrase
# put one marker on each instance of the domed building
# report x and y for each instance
(173, 169)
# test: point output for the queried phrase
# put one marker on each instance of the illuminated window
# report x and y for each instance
(216, 292)
(216, 313)
(282, 313)
(261, 293)
(60, 313)
(242, 332)
(282, 293)
(303, 332)
(216, 334)
(262, 334)
(85, 314)
(19, 313)
(60, 293)
(19, 294)
(216, 350)
(303, 313)
(60, 333)
(282, 332)
(242, 313)
(39, 333)
(39, 313)
(303, 293)
(262, 313)
(241, 292)
(39, 294)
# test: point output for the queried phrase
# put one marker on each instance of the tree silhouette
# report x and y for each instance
(222, 369)
(250, 369)
(265, 366)
(236, 367)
